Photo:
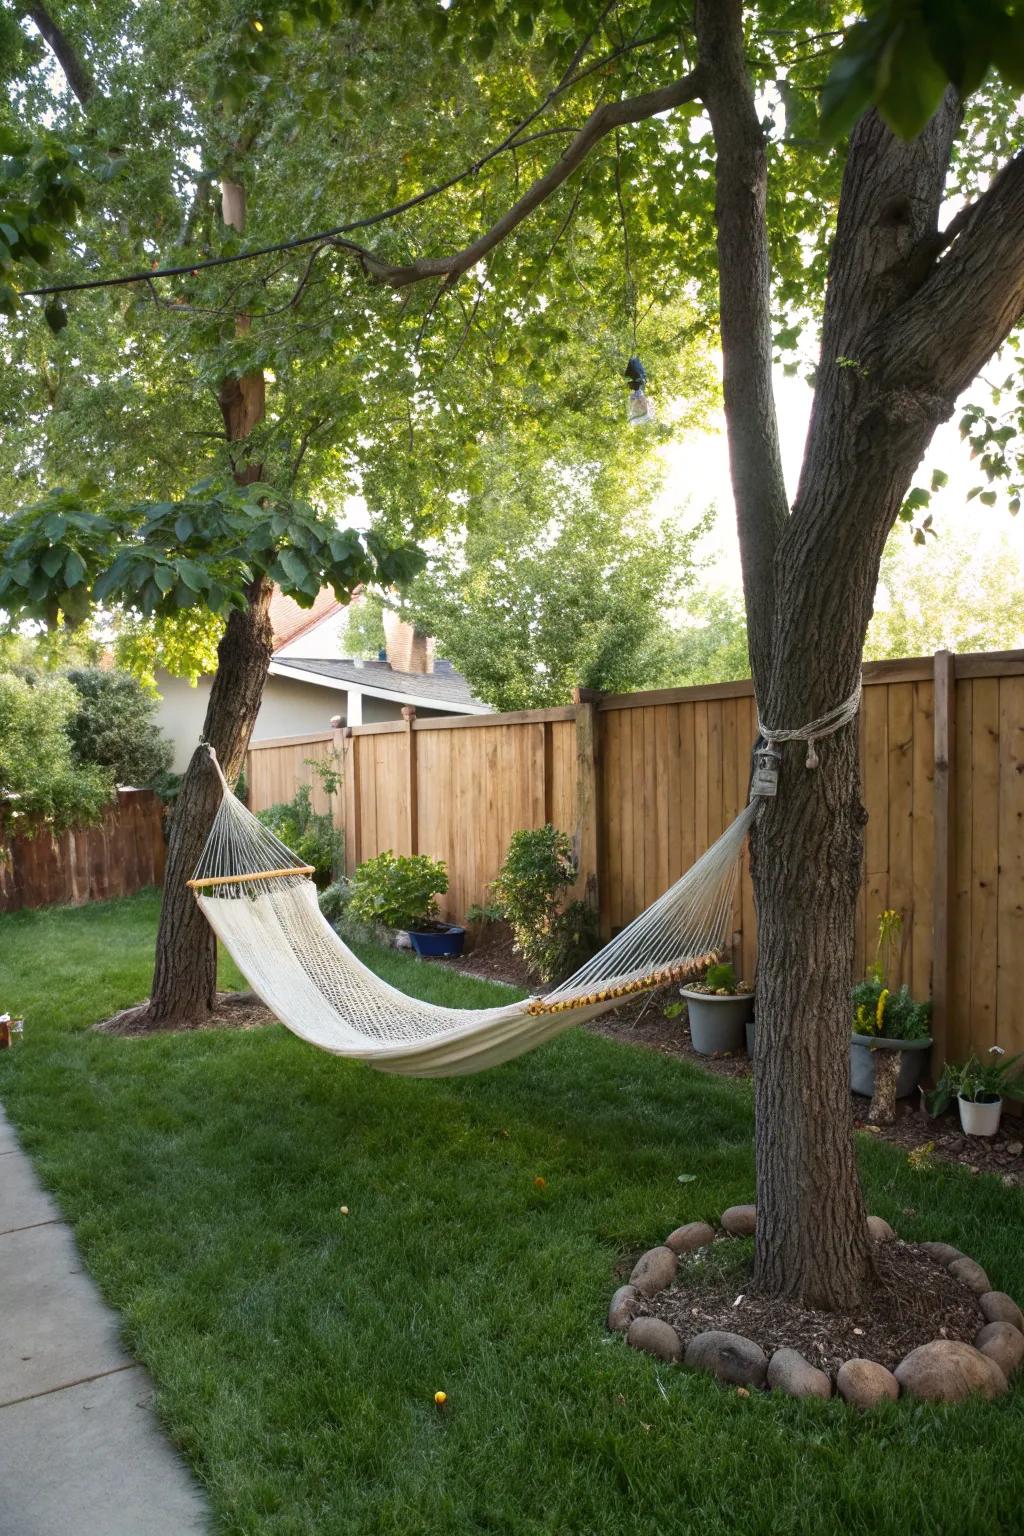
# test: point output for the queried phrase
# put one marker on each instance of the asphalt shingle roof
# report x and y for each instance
(445, 686)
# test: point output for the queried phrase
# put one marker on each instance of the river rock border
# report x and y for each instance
(942, 1371)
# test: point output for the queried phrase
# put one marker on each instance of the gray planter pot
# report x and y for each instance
(717, 1023)
(913, 1063)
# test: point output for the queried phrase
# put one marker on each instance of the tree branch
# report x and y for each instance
(602, 121)
(744, 266)
(75, 70)
(972, 298)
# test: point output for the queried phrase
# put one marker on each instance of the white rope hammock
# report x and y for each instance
(262, 905)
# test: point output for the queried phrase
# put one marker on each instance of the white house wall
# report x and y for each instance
(288, 709)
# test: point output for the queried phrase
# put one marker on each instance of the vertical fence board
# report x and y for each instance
(1010, 936)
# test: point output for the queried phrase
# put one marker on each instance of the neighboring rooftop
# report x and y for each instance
(289, 621)
(440, 687)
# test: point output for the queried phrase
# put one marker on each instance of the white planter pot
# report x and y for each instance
(979, 1119)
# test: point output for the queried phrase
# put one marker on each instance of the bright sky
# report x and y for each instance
(699, 474)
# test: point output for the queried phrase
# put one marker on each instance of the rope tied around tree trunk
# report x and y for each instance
(214, 760)
(816, 730)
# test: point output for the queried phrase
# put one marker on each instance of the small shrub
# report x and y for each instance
(539, 868)
(483, 913)
(114, 725)
(890, 1015)
(311, 836)
(334, 900)
(46, 785)
(397, 890)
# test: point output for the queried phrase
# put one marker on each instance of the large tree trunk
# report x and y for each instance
(185, 977)
(902, 333)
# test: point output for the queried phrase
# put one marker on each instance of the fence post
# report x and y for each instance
(944, 843)
(411, 779)
(586, 843)
(350, 791)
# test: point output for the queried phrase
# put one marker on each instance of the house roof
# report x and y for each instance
(440, 689)
(289, 621)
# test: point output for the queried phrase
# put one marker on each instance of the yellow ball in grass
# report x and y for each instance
(440, 1398)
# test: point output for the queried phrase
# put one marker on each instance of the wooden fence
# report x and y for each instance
(122, 854)
(645, 782)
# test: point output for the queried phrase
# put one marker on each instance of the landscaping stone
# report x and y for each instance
(739, 1220)
(790, 1373)
(696, 1234)
(947, 1371)
(1004, 1344)
(997, 1307)
(944, 1252)
(623, 1308)
(655, 1337)
(865, 1383)
(729, 1356)
(880, 1229)
(971, 1274)
(654, 1270)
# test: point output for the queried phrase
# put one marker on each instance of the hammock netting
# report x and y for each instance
(262, 905)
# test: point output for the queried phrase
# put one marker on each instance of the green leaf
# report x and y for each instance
(74, 568)
(193, 575)
(294, 566)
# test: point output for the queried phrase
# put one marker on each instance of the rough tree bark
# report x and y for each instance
(185, 977)
(810, 579)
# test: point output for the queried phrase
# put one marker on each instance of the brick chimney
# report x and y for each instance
(409, 649)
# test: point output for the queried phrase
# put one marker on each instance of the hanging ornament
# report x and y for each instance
(640, 409)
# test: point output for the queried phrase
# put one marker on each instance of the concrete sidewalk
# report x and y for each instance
(80, 1447)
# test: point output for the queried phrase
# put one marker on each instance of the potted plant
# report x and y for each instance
(887, 1019)
(719, 1009)
(978, 1086)
(399, 891)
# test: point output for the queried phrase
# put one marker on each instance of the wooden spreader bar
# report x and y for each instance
(260, 874)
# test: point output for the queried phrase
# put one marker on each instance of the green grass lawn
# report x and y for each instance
(297, 1350)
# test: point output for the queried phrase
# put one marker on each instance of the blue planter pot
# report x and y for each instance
(448, 941)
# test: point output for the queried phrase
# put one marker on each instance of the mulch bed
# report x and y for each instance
(916, 1300)
(234, 1010)
(492, 957)
(641, 1021)
(941, 1139)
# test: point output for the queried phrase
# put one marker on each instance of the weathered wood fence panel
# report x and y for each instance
(646, 782)
(274, 769)
(122, 854)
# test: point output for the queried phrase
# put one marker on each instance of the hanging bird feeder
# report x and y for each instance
(640, 410)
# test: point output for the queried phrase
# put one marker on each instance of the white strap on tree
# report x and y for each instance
(817, 730)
